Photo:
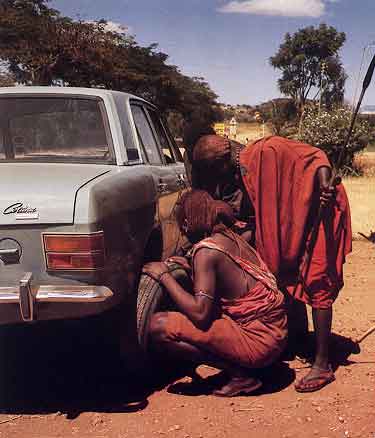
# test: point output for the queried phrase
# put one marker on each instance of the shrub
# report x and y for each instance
(328, 130)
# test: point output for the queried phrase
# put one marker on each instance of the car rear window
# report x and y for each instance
(54, 129)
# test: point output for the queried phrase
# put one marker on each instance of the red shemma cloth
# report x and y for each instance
(252, 329)
(279, 176)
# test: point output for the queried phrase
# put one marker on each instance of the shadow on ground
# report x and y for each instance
(74, 368)
(67, 367)
(274, 378)
(343, 351)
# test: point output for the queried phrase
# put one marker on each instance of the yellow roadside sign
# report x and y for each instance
(219, 128)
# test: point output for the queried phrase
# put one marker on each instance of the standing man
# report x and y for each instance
(285, 182)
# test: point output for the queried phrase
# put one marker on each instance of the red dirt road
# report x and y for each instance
(43, 397)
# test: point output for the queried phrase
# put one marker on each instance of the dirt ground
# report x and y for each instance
(54, 386)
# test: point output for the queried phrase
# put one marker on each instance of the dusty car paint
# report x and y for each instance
(131, 201)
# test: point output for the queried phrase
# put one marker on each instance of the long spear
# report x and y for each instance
(335, 180)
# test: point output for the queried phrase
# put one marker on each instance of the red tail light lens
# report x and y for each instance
(79, 252)
(73, 243)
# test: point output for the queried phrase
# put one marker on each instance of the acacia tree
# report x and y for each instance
(42, 47)
(309, 62)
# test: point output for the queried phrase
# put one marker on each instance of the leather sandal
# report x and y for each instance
(312, 384)
(238, 386)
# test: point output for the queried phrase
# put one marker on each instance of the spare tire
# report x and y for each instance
(152, 298)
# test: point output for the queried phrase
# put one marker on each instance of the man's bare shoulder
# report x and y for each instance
(206, 255)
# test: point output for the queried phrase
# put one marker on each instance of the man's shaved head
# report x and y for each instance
(211, 147)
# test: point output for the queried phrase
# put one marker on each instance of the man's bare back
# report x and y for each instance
(232, 281)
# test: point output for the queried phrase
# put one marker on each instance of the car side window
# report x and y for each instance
(162, 137)
(176, 150)
(145, 134)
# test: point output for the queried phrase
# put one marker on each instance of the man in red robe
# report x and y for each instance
(234, 318)
(285, 182)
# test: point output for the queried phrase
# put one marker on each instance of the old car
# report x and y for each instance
(89, 181)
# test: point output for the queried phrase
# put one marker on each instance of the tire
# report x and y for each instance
(152, 299)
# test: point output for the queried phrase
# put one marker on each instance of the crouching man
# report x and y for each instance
(235, 319)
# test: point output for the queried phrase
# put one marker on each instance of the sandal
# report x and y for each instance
(238, 386)
(312, 384)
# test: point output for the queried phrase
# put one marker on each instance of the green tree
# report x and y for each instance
(6, 80)
(328, 130)
(281, 115)
(309, 62)
(42, 47)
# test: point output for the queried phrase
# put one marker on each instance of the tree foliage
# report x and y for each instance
(42, 47)
(279, 114)
(328, 130)
(6, 80)
(309, 61)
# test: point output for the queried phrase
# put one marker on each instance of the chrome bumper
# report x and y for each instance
(27, 296)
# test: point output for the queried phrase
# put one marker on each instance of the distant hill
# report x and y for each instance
(368, 109)
(245, 113)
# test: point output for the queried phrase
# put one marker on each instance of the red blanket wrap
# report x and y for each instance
(280, 179)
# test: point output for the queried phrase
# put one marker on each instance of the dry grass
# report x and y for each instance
(250, 131)
(361, 193)
(365, 162)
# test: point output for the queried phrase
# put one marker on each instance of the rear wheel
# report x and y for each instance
(152, 298)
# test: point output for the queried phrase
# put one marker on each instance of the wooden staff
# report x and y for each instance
(356, 349)
(364, 336)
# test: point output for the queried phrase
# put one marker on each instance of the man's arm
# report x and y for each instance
(324, 176)
(199, 308)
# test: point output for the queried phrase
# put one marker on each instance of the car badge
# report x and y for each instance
(22, 212)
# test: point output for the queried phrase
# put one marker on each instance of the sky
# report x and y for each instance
(229, 43)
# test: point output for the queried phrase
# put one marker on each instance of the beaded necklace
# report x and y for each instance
(235, 150)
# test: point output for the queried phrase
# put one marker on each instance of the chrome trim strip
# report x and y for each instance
(59, 294)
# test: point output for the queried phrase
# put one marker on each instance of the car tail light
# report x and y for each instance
(78, 252)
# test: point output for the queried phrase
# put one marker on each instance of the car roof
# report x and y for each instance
(99, 92)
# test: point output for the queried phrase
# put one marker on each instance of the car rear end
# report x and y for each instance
(51, 147)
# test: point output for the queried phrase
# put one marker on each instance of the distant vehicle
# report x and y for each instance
(89, 181)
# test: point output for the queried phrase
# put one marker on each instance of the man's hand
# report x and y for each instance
(327, 191)
(327, 194)
(182, 261)
(155, 270)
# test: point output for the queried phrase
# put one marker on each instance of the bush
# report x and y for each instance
(328, 130)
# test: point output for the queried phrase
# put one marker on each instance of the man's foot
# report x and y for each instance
(238, 386)
(315, 380)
